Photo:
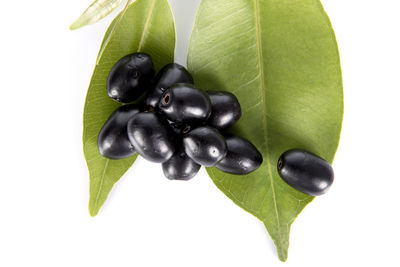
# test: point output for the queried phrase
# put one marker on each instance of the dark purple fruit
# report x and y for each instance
(242, 157)
(305, 171)
(226, 110)
(169, 75)
(130, 77)
(180, 128)
(205, 145)
(151, 137)
(180, 167)
(185, 103)
(113, 142)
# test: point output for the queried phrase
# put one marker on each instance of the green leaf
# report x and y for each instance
(145, 26)
(280, 58)
(95, 12)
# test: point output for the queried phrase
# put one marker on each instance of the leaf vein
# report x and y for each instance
(265, 125)
(146, 25)
(101, 183)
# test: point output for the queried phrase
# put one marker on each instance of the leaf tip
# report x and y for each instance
(93, 211)
(283, 258)
(282, 250)
(94, 208)
(75, 25)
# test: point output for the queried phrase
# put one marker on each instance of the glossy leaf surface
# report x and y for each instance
(145, 26)
(280, 58)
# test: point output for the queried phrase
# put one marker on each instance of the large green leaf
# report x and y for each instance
(281, 60)
(146, 26)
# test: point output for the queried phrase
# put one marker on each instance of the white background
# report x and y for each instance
(149, 221)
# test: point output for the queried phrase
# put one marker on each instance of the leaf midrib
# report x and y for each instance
(265, 125)
(146, 25)
(101, 184)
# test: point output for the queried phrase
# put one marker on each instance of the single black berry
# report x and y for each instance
(242, 157)
(113, 142)
(169, 75)
(226, 110)
(180, 167)
(205, 145)
(185, 103)
(305, 171)
(130, 77)
(151, 137)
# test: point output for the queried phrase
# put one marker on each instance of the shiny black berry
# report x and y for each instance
(130, 77)
(151, 137)
(113, 142)
(305, 171)
(205, 145)
(242, 157)
(169, 75)
(226, 110)
(185, 103)
(180, 167)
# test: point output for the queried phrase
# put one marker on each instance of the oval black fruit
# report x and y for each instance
(225, 109)
(130, 77)
(242, 157)
(180, 167)
(205, 145)
(305, 171)
(113, 142)
(185, 103)
(150, 136)
(169, 75)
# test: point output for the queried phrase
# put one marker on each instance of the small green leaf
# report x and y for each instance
(145, 26)
(280, 58)
(95, 12)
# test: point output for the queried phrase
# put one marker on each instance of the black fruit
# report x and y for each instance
(205, 145)
(242, 157)
(180, 167)
(130, 77)
(226, 110)
(150, 136)
(179, 128)
(169, 75)
(113, 142)
(305, 171)
(185, 103)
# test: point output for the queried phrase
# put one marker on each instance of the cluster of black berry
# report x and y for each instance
(177, 125)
